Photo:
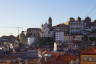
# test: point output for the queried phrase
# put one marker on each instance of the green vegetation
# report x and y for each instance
(92, 38)
(46, 41)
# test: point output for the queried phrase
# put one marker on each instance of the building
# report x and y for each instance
(68, 38)
(78, 37)
(88, 56)
(8, 43)
(59, 58)
(78, 26)
(22, 38)
(57, 46)
(75, 26)
(33, 34)
(92, 37)
(93, 26)
(60, 30)
(59, 37)
(23, 57)
(47, 29)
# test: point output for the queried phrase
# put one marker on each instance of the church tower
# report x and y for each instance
(50, 21)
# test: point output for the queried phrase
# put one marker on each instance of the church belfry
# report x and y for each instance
(50, 21)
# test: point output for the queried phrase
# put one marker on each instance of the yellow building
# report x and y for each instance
(88, 56)
(78, 37)
(68, 38)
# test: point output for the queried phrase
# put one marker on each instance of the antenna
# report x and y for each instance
(18, 29)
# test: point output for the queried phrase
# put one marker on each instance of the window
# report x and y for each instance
(89, 58)
(85, 58)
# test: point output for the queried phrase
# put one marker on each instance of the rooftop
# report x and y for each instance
(62, 57)
(89, 51)
(61, 25)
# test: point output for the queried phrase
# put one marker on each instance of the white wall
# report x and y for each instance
(59, 36)
(31, 40)
(55, 46)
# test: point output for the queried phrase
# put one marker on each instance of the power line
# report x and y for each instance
(18, 29)
(90, 12)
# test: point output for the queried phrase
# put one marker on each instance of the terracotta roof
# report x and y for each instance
(63, 57)
(55, 54)
(60, 25)
(59, 58)
(10, 57)
(30, 29)
(94, 23)
(68, 58)
(89, 51)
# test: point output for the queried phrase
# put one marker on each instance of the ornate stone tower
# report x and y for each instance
(50, 21)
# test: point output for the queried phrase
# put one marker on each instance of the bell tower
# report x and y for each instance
(50, 21)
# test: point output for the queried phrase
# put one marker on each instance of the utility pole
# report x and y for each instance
(18, 28)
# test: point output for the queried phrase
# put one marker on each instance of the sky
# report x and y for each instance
(33, 13)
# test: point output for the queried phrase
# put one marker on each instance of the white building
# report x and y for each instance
(47, 29)
(59, 37)
(31, 40)
(60, 31)
(77, 26)
(55, 46)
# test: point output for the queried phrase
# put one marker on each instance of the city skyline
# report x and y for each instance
(32, 13)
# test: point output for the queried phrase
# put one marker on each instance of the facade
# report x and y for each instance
(59, 37)
(55, 46)
(88, 56)
(75, 26)
(78, 37)
(22, 38)
(92, 37)
(78, 26)
(33, 34)
(60, 30)
(31, 40)
(93, 26)
(72, 43)
(68, 38)
(47, 29)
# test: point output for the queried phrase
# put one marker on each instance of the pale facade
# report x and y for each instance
(59, 37)
(47, 29)
(77, 26)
